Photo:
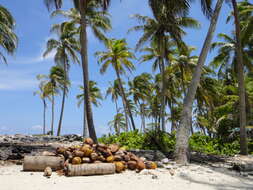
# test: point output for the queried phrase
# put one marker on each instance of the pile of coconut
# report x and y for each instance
(91, 153)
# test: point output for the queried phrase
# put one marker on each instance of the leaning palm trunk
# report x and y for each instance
(84, 56)
(125, 102)
(85, 126)
(183, 133)
(63, 100)
(242, 103)
(44, 116)
(52, 121)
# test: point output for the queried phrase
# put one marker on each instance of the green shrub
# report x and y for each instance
(165, 142)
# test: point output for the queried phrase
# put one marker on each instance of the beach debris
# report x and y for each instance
(90, 169)
(48, 172)
(39, 163)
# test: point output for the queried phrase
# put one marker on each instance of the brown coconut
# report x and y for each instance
(114, 148)
(119, 167)
(76, 160)
(140, 165)
(131, 165)
(151, 165)
(88, 141)
(78, 153)
(126, 158)
(87, 151)
(60, 150)
(117, 158)
(110, 159)
(94, 156)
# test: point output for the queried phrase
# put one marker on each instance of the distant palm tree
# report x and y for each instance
(118, 55)
(83, 6)
(118, 123)
(141, 88)
(8, 39)
(95, 95)
(66, 47)
(43, 96)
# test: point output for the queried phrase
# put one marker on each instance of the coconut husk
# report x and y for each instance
(114, 148)
(60, 150)
(88, 141)
(78, 153)
(119, 167)
(126, 158)
(151, 165)
(140, 165)
(118, 158)
(131, 165)
(94, 156)
(76, 160)
(110, 159)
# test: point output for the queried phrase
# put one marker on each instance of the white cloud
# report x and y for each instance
(17, 80)
(37, 127)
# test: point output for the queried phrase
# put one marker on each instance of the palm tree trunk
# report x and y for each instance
(52, 121)
(63, 100)
(44, 116)
(125, 102)
(85, 126)
(163, 96)
(84, 56)
(241, 84)
(183, 132)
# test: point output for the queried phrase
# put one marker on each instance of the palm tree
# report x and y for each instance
(118, 123)
(162, 37)
(118, 56)
(141, 88)
(66, 47)
(242, 103)
(8, 39)
(82, 7)
(183, 132)
(43, 96)
(95, 95)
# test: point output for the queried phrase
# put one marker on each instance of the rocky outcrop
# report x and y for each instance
(15, 147)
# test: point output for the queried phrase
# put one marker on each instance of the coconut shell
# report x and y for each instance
(60, 150)
(114, 148)
(68, 155)
(94, 156)
(78, 153)
(118, 158)
(134, 157)
(119, 167)
(86, 160)
(101, 158)
(76, 160)
(110, 159)
(87, 151)
(104, 152)
(101, 145)
(126, 158)
(151, 165)
(88, 141)
(131, 165)
(140, 165)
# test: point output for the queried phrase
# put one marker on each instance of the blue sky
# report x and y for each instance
(21, 111)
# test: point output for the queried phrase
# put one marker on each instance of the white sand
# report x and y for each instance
(193, 177)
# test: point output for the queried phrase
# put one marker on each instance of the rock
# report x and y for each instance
(165, 161)
(154, 177)
(153, 155)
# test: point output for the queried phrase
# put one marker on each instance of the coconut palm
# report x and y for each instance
(162, 37)
(183, 132)
(118, 123)
(141, 88)
(43, 96)
(81, 6)
(95, 95)
(66, 48)
(118, 55)
(8, 39)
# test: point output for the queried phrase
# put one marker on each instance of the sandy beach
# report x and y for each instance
(191, 177)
